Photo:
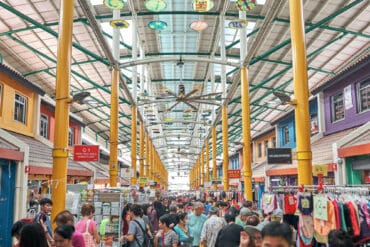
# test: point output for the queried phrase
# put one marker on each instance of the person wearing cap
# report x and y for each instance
(255, 232)
(277, 215)
(242, 217)
(211, 228)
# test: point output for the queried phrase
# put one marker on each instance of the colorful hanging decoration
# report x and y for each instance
(202, 5)
(157, 25)
(238, 24)
(155, 5)
(198, 25)
(245, 5)
(114, 4)
(119, 24)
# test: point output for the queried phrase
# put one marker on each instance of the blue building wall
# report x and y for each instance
(288, 123)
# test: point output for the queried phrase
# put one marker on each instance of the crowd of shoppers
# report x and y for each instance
(166, 224)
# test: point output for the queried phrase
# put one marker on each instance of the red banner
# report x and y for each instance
(86, 152)
(233, 173)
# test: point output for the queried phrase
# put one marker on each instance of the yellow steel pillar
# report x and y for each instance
(225, 129)
(62, 98)
(201, 157)
(142, 147)
(246, 130)
(196, 174)
(207, 161)
(214, 153)
(151, 172)
(113, 147)
(133, 143)
(147, 156)
(225, 148)
(301, 93)
(191, 178)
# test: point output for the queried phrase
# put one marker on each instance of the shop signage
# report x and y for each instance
(279, 156)
(127, 172)
(233, 173)
(143, 180)
(86, 152)
(201, 5)
(320, 170)
(218, 181)
(207, 184)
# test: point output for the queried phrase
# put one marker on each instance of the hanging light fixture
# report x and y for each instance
(119, 24)
(114, 4)
(245, 5)
(157, 25)
(155, 5)
(237, 24)
(198, 25)
(202, 5)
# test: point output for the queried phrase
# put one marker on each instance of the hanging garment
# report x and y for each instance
(353, 219)
(323, 227)
(305, 204)
(290, 204)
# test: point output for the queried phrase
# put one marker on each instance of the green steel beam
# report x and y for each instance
(52, 32)
(94, 107)
(309, 29)
(290, 64)
(54, 67)
(86, 22)
(72, 71)
(238, 41)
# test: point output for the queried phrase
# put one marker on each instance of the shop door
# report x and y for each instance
(7, 188)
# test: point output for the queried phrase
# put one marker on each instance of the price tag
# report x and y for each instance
(320, 207)
(305, 203)
(320, 169)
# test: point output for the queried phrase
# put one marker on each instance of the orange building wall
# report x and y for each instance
(50, 113)
(10, 87)
(268, 136)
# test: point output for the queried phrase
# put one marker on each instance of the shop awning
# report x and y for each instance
(322, 152)
(41, 160)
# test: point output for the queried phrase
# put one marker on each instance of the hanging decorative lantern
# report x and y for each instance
(198, 25)
(119, 24)
(238, 24)
(155, 5)
(114, 4)
(245, 5)
(157, 25)
(202, 5)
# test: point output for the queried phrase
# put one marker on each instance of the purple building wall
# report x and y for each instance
(352, 117)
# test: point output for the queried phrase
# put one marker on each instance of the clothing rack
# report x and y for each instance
(356, 189)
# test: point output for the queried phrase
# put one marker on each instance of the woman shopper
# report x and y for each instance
(33, 235)
(63, 236)
(182, 230)
(66, 218)
(87, 226)
(165, 236)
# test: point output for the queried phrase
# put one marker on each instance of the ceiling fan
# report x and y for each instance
(187, 98)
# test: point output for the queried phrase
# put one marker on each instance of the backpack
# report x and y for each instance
(88, 238)
(147, 242)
